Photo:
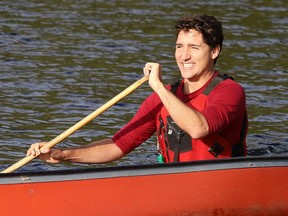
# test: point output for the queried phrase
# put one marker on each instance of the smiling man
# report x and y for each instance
(201, 116)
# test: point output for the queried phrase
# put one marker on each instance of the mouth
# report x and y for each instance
(188, 65)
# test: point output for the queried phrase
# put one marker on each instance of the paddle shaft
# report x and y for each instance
(80, 124)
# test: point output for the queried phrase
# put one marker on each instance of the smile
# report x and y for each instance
(188, 65)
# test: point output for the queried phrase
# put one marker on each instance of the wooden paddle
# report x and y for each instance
(80, 124)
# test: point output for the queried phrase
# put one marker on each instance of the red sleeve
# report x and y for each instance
(225, 109)
(141, 127)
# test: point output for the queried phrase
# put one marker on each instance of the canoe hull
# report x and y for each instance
(238, 190)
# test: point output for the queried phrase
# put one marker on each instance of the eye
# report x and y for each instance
(194, 47)
(178, 46)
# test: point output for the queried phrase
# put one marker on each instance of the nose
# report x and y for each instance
(186, 55)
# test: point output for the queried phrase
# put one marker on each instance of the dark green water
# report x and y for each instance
(60, 60)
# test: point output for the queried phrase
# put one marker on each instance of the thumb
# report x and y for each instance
(45, 150)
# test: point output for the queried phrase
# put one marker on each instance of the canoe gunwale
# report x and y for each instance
(143, 170)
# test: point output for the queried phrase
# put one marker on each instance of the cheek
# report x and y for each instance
(176, 53)
(177, 56)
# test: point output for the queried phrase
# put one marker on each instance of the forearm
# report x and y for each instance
(189, 119)
(97, 152)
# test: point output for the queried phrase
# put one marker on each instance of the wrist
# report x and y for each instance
(159, 87)
(58, 154)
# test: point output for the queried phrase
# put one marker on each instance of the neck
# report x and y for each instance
(195, 83)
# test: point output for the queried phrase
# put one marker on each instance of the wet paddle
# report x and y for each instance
(80, 124)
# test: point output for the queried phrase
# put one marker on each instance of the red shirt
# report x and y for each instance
(225, 110)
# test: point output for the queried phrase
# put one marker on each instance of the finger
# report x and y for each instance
(28, 153)
(34, 149)
(146, 72)
(148, 68)
(31, 150)
(45, 150)
(37, 149)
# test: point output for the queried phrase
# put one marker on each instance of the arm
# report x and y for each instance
(96, 152)
(189, 119)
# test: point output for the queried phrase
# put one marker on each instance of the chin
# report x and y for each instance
(187, 75)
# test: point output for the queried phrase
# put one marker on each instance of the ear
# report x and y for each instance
(215, 52)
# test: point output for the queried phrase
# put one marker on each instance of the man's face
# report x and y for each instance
(194, 57)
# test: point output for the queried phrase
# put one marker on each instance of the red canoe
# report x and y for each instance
(241, 186)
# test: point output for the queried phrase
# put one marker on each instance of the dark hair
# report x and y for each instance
(208, 26)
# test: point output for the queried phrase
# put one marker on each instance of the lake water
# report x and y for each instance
(60, 60)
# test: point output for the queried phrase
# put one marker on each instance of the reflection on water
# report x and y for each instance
(60, 60)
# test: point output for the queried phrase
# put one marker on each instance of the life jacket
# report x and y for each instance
(176, 145)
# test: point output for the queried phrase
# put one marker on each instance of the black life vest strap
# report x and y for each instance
(175, 85)
(238, 149)
(214, 82)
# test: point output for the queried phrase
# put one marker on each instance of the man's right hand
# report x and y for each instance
(45, 154)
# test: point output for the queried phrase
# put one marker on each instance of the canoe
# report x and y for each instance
(237, 186)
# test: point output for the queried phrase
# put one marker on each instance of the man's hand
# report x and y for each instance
(45, 154)
(153, 70)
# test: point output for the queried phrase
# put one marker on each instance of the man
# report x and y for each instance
(203, 116)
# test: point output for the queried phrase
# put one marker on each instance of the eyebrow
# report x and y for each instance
(197, 45)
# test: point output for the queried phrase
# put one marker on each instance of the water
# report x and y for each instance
(60, 60)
